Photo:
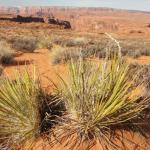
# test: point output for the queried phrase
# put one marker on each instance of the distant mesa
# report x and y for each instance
(22, 19)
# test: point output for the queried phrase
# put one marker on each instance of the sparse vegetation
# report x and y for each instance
(25, 43)
(135, 48)
(97, 48)
(6, 53)
(63, 54)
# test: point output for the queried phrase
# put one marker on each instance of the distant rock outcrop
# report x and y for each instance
(21, 19)
(66, 24)
(27, 19)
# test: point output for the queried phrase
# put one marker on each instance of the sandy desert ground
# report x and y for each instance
(131, 28)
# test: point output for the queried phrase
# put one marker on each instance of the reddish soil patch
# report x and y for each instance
(41, 60)
(141, 60)
(130, 142)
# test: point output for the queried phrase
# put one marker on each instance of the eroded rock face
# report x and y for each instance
(66, 24)
(27, 19)
(21, 19)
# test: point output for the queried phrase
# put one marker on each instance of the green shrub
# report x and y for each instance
(6, 53)
(100, 99)
(24, 43)
(19, 108)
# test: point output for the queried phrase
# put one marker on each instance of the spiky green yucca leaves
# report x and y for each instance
(19, 108)
(99, 96)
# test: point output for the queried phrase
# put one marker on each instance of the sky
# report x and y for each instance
(143, 5)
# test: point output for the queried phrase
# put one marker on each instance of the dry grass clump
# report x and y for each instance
(6, 53)
(96, 48)
(1, 70)
(58, 40)
(143, 75)
(19, 109)
(135, 47)
(45, 42)
(76, 42)
(64, 54)
(100, 99)
(25, 43)
(70, 42)
(92, 47)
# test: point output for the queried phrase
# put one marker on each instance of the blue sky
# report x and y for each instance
(123, 4)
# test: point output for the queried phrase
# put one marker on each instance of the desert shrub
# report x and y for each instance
(45, 42)
(64, 54)
(25, 43)
(135, 48)
(99, 48)
(1, 70)
(76, 42)
(58, 40)
(132, 48)
(134, 53)
(70, 42)
(96, 49)
(145, 52)
(100, 99)
(19, 108)
(143, 75)
(6, 53)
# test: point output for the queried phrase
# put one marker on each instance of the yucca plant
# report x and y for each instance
(100, 97)
(19, 108)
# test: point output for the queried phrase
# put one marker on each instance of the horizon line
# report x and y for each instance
(146, 11)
